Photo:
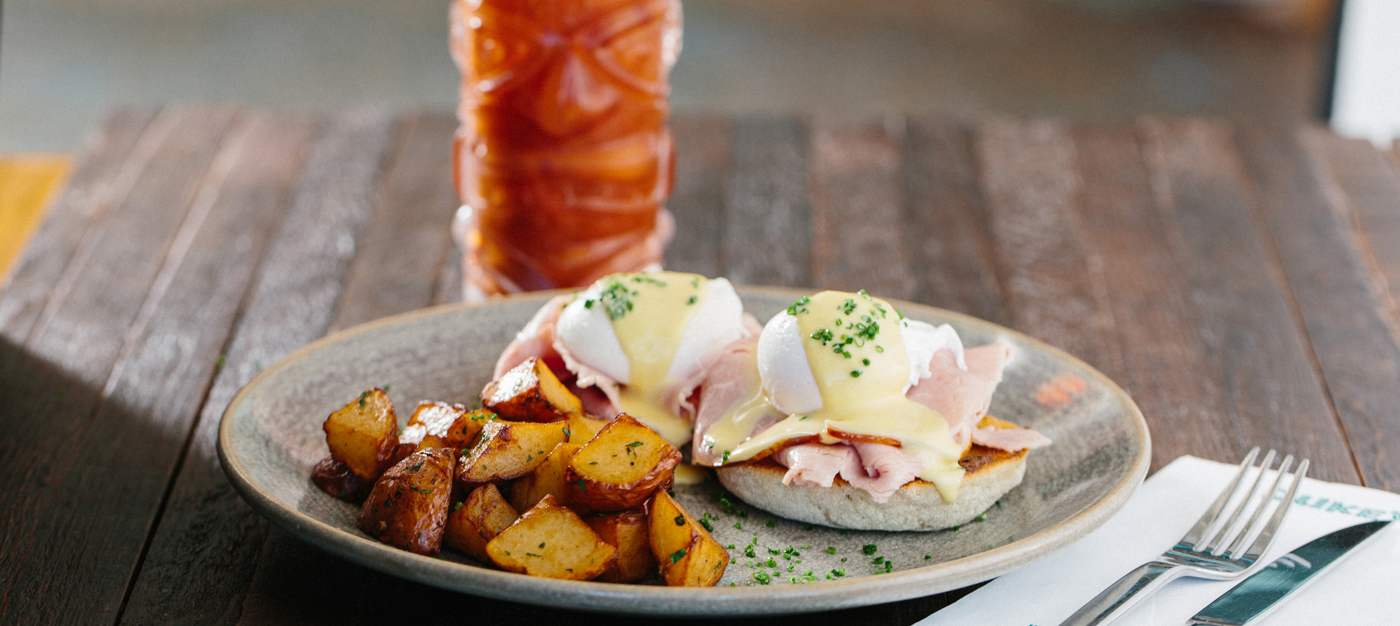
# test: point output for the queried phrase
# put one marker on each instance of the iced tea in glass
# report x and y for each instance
(563, 161)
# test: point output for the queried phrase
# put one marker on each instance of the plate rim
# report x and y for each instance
(593, 596)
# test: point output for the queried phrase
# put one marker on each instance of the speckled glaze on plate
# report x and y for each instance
(271, 437)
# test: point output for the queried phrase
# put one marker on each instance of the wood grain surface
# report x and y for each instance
(1239, 282)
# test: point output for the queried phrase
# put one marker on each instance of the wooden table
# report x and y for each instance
(1242, 283)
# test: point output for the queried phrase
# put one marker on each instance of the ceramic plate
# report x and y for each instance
(271, 437)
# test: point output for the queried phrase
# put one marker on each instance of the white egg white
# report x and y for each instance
(787, 376)
(589, 335)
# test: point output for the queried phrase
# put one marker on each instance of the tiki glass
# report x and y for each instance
(563, 161)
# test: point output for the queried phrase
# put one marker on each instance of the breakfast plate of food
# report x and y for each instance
(667, 444)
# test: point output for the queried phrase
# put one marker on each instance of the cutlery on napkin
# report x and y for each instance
(1361, 590)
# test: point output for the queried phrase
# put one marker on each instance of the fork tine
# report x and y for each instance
(1221, 537)
(1253, 522)
(1267, 536)
(1198, 531)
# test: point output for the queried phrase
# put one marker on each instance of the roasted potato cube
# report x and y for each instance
(688, 555)
(478, 520)
(408, 506)
(582, 428)
(548, 478)
(531, 392)
(621, 466)
(508, 450)
(363, 434)
(335, 478)
(629, 532)
(442, 425)
(550, 540)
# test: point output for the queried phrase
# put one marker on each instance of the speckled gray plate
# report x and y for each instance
(271, 436)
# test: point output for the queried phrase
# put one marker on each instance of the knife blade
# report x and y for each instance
(1266, 589)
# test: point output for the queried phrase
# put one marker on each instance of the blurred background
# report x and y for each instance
(64, 62)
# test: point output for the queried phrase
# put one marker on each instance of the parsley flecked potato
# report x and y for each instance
(547, 478)
(530, 392)
(629, 532)
(364, 433)
(550, 540)
(688, 555)
(621, 466)
(408, 506)
(508, 450)
(477, 520)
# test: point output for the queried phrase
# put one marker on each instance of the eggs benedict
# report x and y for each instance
(643, 342)
(844, 413)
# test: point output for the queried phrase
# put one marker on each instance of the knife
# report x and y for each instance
(1266, 589)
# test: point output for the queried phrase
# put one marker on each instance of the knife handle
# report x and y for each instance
(1124, 594)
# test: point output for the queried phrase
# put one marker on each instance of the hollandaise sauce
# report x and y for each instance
(855, 347)
(664, 303)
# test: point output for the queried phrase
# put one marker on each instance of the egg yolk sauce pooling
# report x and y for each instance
(837, 365)
(651, 337)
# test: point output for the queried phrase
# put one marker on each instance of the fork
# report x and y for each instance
(1203, 552)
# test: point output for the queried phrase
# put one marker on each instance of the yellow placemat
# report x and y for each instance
(27, 181)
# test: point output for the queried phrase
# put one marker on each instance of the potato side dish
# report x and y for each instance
(530, 484)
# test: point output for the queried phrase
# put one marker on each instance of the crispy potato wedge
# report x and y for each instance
(546, 479)
(688, 555)
(408, 506)
(363, 434)
(552, 541)
(477, 520)
(582, 428)
(335, 478)
(442, 425)
(630, 533)
(531, 392)
(508, 450)
(620, 467)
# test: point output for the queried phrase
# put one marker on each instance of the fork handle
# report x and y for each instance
(1121, 596)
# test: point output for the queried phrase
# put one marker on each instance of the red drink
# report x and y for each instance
(563, 161)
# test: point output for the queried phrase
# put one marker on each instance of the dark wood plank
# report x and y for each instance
(1344, 306)
(1053, 281)
(1273, 391)
(857, 207)
(1368, 187)
(206, 544)
(945, 225)
(406, 240)
(1167, 366)
(105, 170)
(130, 452)
(767, 227)
(73, 348)
(703, 152)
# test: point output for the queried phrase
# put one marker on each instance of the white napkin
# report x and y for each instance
(1361, 589)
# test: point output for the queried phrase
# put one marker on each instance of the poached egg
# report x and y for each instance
(837, 365)
(653, 334)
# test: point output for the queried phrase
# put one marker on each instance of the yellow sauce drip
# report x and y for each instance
(650, 333)
(687, 474)
(855, 347)
(739, 421)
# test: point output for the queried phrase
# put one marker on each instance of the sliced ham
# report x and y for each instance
(814, 463)
(962, 397)
(875, 468)
(536, 339)
(1009, 439)
(880, 470)
(727, 383)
